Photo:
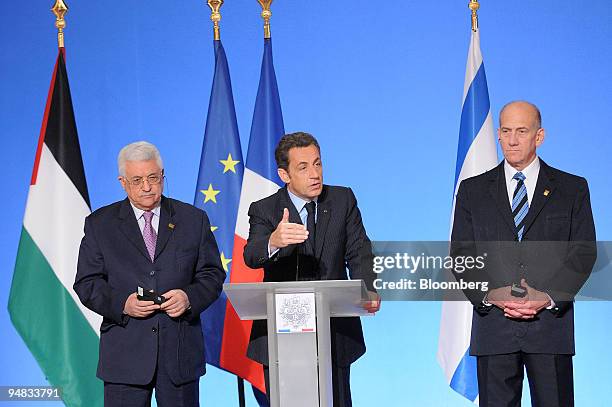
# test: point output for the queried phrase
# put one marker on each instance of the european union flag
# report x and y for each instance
(218, 189)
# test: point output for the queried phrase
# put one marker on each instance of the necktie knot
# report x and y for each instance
(519, 176)
(148, 216)
(310, 208)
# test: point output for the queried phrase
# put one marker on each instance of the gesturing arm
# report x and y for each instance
(267, 240)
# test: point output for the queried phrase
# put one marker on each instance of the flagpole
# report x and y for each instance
(60, 9)
(266, 14)
(474, 6)
(215, 16)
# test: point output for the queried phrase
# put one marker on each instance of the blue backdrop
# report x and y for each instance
(379, 84)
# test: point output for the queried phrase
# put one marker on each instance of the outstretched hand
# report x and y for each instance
(287, 233)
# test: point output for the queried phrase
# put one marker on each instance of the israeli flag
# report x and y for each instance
(476, 153)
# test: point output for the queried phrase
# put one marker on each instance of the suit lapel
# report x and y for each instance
(323, 215)
(129, 227)
(499, 193)
(166, 225)
(294, 216)
(545, 187)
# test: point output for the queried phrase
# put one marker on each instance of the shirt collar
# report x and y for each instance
(139, 212)
(297, 201)
(530, 172)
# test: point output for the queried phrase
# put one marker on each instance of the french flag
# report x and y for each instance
(476, 153)
(260, 180)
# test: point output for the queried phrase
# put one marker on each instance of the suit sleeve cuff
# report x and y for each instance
(272, 252)
(552, 302)
(118, 305)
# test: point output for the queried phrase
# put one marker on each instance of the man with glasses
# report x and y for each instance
(149, 265)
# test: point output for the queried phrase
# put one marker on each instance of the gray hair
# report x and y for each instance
(138, 151)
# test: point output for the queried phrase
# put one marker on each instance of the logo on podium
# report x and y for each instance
(295, 313)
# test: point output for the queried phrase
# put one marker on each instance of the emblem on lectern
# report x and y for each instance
(295, 313)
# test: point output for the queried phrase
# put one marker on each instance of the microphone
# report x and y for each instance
(166, 185)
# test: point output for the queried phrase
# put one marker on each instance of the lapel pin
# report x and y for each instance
(324, 210)
(171, 225)
(546, 192)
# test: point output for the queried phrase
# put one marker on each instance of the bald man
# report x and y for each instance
(523, 322)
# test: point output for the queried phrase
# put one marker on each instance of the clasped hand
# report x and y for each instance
(519, 308)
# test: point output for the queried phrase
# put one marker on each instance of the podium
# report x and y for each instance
(299, 339)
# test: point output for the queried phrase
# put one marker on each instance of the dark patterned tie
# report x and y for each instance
(148, 234)
(310, 223)
(520, 204)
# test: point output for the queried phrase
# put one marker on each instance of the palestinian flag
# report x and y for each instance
(59, 331)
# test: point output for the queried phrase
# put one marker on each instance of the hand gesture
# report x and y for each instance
(287, 233)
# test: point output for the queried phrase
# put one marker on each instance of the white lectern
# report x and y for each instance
(299, 340)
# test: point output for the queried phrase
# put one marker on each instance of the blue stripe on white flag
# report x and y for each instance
(476, 107)
(462, 381)
(476, 153)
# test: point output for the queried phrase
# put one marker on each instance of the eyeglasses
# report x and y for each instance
(152, 179)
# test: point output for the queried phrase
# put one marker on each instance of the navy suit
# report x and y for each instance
(560, 211)
(113, 262)
(340, 242)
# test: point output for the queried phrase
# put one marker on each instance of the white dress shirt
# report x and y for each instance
(141, 220)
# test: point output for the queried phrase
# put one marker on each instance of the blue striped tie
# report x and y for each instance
(520, 204)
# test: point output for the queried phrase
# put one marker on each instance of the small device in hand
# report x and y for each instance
(518, 290)
(150, 295)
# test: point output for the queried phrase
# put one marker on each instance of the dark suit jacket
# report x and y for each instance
(113, 262)
(341, 242)
(560, 211)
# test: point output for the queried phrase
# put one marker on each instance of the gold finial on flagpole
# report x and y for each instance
(474, 6)
(266, 14)
(59, 9)
(215, 16)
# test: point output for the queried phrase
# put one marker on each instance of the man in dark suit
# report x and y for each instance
(541, 219)
(155, 243)
(311, 231)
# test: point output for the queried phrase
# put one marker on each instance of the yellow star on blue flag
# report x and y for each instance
(210, 194)
(225, 262)
(229, 164)
(221, 139)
